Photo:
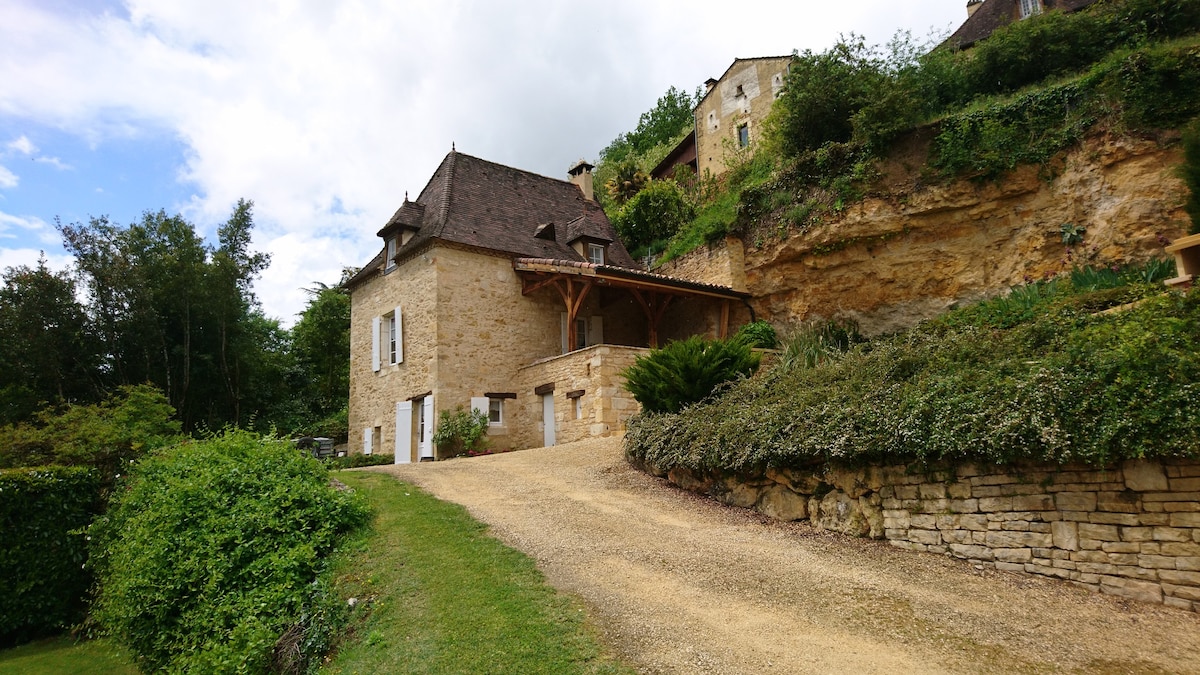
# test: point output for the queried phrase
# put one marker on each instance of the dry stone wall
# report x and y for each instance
(1131, 530)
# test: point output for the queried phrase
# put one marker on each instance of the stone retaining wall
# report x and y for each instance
(1131, 530)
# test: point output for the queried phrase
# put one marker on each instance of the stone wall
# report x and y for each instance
(605, 406)
(721, 263)
(1131, 530)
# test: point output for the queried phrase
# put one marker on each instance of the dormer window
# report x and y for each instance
(595, 254)
(1030, 7)
(389, 261)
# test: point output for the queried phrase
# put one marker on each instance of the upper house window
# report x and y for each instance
(389, 263)
(743, 135)
(1030, 7)
(596, 254)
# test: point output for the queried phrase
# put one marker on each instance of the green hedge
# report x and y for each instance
(213, 555)
(1068, 384)
(42, 549)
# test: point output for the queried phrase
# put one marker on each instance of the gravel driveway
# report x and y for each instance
(675, 583)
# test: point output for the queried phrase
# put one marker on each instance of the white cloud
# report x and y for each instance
(23, 145)
(54, 162)
(25, 227)
(8, 179)
(300, 106)
(28, 257)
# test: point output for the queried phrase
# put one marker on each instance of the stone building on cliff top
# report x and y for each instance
(507, 292)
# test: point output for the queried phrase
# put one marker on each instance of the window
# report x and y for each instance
(1030, 7)
(743, 135)
(391, 253)
(581, 333)
(740, 91)
(495, 411)
(596, 254)
(579, 407)
(387, 340)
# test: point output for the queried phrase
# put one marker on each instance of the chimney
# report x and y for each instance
(581, 175)
(709, 84)
(973, 5)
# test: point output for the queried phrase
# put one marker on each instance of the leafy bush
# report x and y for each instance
(213, 552)
(687, 371)
(105, 436)
(759, 334)
(1066, 383)
(1191, 172)
(655, 213)
(42, 550)
(460, 432)
(816, 342)
(356, 460)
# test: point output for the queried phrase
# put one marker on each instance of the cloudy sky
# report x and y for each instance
(325, 113)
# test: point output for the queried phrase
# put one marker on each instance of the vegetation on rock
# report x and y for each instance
(1042, 374)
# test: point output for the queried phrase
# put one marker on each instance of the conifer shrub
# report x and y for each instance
(687, 372)
(42, 549)
(213, 556)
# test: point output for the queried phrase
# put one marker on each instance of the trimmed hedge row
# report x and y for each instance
(1069, 385)
(42, 549)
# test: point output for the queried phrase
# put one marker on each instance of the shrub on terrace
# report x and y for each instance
(687, 371)
(1065, 383)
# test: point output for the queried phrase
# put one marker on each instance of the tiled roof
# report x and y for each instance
(634, 277)
(478, 203)
(994, 14)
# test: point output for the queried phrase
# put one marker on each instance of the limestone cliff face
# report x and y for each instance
(890, 262)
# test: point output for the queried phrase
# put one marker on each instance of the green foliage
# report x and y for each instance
(822, 93)
(1057, 380)
(212, 556)
(758, 334)
(47, 350)
(1072, 234)
(42, 550)
(321, 345)
(1190, 172)
(460, 431)
(628, 179)
(106, 436)
(655, 213)
(687, 371)
(356, 460)
(813, 343)
(451, 598)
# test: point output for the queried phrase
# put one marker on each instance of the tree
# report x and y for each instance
(670, 117)
(47, 351)
(321, 344)
(822, 93)
(654, 214)
(176, 312)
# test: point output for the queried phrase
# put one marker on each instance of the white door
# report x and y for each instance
(548, 419)
(404, 416)
(425, 435)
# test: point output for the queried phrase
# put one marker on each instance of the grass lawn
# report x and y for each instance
(447, 598)
(62, 655)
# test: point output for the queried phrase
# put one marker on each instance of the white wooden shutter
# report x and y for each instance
(399, 336)
(367, 440)
(595, 331)
(481, 404)
(427, 442)
(565, 347)
(404, 416)
(375, 324)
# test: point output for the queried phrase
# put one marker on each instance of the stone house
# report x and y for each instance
(985, 16)
(729, 117)
(507, 292)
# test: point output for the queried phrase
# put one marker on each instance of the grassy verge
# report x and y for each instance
(442, 596)
(64, 655)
